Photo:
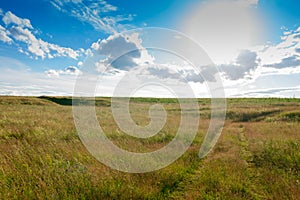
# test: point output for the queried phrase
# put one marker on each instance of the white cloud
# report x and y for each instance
(94, 12)
(52, 73)
(246, 62)
(117, 22)
(34, 84)
(291, 61)
(4, 35)
(61, 83)
(118, 45)
(178, 73)
(74, 1)
(267, 71)
(38, 47)
(122, 51)
(282, 92)
(240, 75)
(21, 30)
(10, 18)
(71, 70)
(16, 78)
(80, 63)
(271, 59)
(243, 67)
(283, 55)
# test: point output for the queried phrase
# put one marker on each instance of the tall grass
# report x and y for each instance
(41, 156)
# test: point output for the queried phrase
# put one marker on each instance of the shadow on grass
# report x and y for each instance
(67, 101)
(250, 116)
(58, 100)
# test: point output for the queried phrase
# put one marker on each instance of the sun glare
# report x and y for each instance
(222, 28)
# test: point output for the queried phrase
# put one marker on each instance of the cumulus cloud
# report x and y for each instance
(38, 47)
(291, 61)
(4, 35)
(122, 51)
(165, 72)
(21, 30)
(10, 18)
(246, 62)
(116, 46)
(177, 73)
(126, 53)
(286, 54)
(94, 12)
(162, 72)
(271, 59)
(80, 63)
(33, 83)
(248, 65)
(52, 73)
(71, 70)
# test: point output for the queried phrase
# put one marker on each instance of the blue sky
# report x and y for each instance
(254, 43)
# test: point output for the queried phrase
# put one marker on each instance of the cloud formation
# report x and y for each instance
(291, 61)
(71, 70)
(94, 12)
(11, 19)
(244, 65)
(175, 73)
(20, 30)
(246, 62)
(4, 35)
(122, 51)
(119, 50)
(271, 92)
(248, 65)
(281, 58)
(285, 54)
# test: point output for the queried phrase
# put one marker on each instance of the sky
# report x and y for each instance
(45, 45)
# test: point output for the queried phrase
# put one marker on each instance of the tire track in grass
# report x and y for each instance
(247, 155)
(218, 177)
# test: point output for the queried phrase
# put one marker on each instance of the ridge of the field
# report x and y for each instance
(67, 100)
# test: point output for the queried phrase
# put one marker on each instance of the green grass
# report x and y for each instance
(257, 156)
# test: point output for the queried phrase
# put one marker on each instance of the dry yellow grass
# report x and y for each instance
(257, 156)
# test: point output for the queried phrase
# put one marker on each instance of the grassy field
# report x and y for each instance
(257, 156)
